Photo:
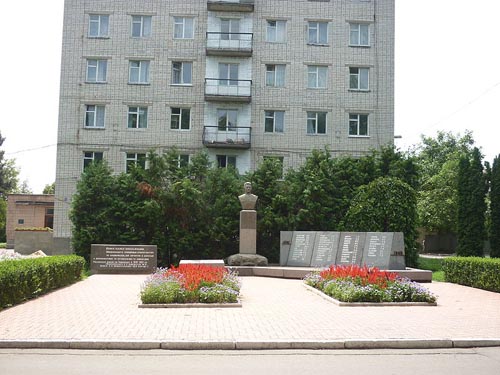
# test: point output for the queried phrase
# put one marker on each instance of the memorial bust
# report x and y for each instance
(248, 199)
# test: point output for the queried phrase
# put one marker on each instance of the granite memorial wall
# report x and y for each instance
(384, 250)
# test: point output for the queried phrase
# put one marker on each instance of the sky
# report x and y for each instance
(447, 77)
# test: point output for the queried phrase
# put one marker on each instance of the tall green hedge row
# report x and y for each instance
(482, 273)
(23, 279)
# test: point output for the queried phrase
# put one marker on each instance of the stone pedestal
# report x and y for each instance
(248, 232)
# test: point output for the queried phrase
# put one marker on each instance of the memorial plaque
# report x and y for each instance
(301, 249)
(285, 244)
(397, 260)
(123, 259)
(377, 250)
(325, 249)
(350, 249)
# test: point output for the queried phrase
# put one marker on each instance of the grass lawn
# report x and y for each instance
(434, 265)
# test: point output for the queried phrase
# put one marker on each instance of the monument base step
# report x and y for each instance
(422, 276)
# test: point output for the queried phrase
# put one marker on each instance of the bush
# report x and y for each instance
(482, 273)
(28, 278)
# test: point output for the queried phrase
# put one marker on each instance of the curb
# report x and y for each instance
(251, 345)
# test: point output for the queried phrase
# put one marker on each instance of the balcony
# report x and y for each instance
(227, 137)
(230, 5)
(229, 44)
(228, 90)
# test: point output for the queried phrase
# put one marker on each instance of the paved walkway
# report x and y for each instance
(102, 312)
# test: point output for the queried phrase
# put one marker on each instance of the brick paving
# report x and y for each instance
(104, 307)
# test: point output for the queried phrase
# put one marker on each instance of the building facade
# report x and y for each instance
(28, 211)
(238, 79)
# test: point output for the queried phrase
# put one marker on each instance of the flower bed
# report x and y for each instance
(190, 284)
(364, 284)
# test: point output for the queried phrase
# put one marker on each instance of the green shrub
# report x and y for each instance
(23, 279)
(482, 273)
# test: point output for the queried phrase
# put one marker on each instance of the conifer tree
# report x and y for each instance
(495, 209)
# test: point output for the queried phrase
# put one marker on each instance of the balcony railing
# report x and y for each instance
(223, 90)
(227, 137)
(229, 44)
(231, 5)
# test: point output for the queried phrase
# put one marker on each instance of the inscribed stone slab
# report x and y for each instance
(285, 244)
(124, 259)
(350, 248)
(377, 250)
(301, 249)
(325, 249)
(397, 261)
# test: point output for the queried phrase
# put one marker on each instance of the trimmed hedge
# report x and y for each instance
(23, 279)
(482, 273)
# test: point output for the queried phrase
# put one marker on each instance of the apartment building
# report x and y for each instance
(241, 80)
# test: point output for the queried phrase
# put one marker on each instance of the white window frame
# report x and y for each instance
(90, 156)
(233, 28)
(232, 75)
(102, 27)
(97, 71)
(356, 31)
(135, 158)
(98, 113)
(314, 116)
(272, 75)
(229, 160)
(180, 25)
(276, 33)
(145, 26)
(229, 113)
(314, 72)
(141, 117)
(181, 73)
(360, 76)
(355, 120)
(183, 160)
(316, 27)
(179, 113)
(141, 67)
(271, 115)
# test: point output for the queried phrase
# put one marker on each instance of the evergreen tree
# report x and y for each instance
(471, 206)
(495, 209)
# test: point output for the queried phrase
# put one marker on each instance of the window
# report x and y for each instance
(276, 31)
(359, 34)
(227, 119)
(275, 75)
(316, 76)
(274, 121)
(138, 72)
(183, 160)
(182, 73)
(183, 27)
(228, 74)
(225, 161)
(20, 221)
(137, 117)
(358, 78)
(98, 25)
(358, 124)
(90, 156)
(316, 122)
(135, 160)
(180, 118)
(97, 70)
(317, 32)
(230, 29)
(94, 116)
(49, 218)
(141, 26)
